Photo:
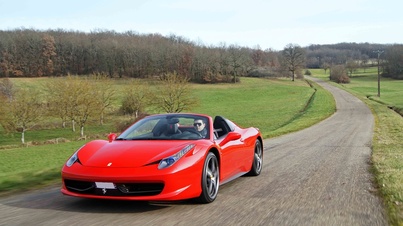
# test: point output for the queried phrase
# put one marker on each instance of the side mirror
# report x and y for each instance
(112, 137)
(230, 137)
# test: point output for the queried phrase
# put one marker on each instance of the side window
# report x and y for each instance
(230, 124)
(221, 127)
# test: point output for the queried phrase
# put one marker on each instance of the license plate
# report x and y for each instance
(106, 185)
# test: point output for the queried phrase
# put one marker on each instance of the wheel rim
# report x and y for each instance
(258, 157)
(212, 177)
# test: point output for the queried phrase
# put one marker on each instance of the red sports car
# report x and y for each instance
(165, 157)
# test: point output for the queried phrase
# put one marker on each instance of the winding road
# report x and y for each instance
(317, 176)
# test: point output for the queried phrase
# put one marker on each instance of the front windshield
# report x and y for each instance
(168, 127)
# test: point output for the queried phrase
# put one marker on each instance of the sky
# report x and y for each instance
(264, 24)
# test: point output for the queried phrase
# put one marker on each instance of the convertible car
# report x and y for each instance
(165, 157)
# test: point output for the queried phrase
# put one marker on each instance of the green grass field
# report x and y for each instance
(32, 167)
(387, 144)
(274, 106)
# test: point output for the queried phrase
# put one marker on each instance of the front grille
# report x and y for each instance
(141, 188)
(122, 189)
(82, 187)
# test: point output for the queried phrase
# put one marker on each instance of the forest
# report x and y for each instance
(39, 53)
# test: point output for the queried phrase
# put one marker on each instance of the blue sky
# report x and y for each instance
(252, 23)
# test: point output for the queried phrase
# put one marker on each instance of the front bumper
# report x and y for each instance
(145, 183)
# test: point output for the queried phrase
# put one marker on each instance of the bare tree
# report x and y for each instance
(5, 63)
(22, 112)
(257, 56)
(74, 98)
(351, 66)
(235, 60)
(175, 94)
(136, 97)
(393, 58)
(202, 64)
(294, 58)
(87, 102)
(48, 52)
(325, 66)
(105, 93)
(58, 98)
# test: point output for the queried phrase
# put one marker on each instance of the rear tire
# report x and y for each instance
(210, 179)
(257, 160)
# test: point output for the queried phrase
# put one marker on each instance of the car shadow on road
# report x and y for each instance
(52, 199)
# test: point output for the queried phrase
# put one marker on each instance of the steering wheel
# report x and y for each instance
(195, 132)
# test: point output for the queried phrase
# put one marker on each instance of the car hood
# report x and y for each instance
(127, 153)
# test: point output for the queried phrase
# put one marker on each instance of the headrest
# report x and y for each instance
(173, 121)
(172, 128)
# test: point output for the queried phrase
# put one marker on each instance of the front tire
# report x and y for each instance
(257, 160)
(210, 179)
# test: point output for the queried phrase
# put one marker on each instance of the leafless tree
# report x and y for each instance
(175, 94)
(235, 60)
(58, 98)
(106, 92)
(22, 112)
(294, 58)
(137, 97)
(325, 66)
(87, 103)
(48, 53)
(351, 66)
(74, 98)
(393, 57)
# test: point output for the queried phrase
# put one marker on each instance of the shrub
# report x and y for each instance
(338, 74)
(260, 73)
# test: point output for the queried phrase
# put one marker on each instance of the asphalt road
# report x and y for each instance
(318, 176)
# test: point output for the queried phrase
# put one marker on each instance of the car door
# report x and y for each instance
(231, 145)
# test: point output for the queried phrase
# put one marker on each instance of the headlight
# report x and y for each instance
(73, 158)
(169, 161)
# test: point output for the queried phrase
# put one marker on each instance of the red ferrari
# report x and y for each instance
(165, 157)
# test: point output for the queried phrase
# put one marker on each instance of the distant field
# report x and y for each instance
(276, 106)
(366, 83)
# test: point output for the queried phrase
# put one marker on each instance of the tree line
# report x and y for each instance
(36, 53)
(33, 53)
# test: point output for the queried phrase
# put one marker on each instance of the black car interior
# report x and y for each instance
(221, 127)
